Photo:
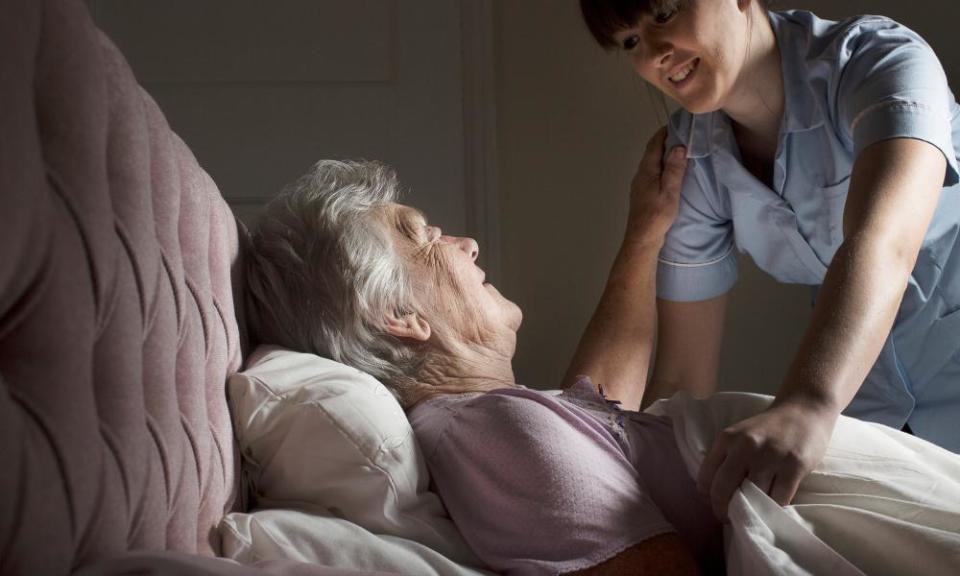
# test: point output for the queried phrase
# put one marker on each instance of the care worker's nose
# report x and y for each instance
(656, 55)
(468, 245)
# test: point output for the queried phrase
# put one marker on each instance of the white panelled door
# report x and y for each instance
(260, 90)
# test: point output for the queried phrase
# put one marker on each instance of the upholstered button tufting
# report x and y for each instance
(117, 323)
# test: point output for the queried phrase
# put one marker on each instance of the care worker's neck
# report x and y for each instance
(756, 103)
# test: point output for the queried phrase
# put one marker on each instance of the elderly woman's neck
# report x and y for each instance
(466, 368)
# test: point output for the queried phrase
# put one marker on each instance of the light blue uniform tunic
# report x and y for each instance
(847, 85)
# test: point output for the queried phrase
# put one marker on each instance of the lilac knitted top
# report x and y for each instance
(543, 484)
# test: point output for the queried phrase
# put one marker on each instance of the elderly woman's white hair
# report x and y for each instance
(322, 272)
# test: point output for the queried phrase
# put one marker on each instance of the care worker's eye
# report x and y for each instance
(630, 42)
(663, 11)
(664, 15)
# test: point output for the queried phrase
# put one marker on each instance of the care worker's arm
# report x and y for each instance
(689, 336)
(615, 348)
(893, 193)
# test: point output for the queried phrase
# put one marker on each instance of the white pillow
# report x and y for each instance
(318, 435)
(329, 541)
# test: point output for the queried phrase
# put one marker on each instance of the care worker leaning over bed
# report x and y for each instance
(828, 152)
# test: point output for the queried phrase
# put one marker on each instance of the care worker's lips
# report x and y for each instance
(682, 75)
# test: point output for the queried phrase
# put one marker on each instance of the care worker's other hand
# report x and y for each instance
(775, 449)
(655, 191)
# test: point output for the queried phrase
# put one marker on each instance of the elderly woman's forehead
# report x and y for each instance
(403, 215)
(410, 212)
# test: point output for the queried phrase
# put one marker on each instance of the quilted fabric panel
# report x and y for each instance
(117, 324)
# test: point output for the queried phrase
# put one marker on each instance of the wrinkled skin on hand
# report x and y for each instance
(655, 191)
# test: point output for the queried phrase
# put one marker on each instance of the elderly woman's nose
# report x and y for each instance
(468, 245)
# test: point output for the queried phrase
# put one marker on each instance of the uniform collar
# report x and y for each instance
(801, 109)
(704, 133)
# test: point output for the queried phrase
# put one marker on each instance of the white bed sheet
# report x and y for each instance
(881, 502)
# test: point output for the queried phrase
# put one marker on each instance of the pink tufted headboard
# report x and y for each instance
(117, 323)
(119, 265)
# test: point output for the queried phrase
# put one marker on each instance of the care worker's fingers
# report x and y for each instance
(787, 482)
(712, 461)
(763, 478)
(775, 449)
(729, 477)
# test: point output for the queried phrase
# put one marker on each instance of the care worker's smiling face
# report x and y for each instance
(449, 287)
(691, 50)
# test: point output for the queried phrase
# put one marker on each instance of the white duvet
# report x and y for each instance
(881, 502)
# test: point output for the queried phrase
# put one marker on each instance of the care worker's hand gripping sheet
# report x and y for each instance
(881, 502)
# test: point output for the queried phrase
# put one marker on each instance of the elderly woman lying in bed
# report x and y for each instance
(537, 483)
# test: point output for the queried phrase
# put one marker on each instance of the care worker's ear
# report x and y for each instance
(410, 325)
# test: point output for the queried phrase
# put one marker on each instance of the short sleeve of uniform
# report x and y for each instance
(697, 261)
(892, 85)
(534, 490)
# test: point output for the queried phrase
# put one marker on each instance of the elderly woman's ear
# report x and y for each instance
(410, 325)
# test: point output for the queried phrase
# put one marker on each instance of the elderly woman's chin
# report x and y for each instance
(513, 315)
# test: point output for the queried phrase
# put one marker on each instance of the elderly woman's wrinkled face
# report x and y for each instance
(448, 285)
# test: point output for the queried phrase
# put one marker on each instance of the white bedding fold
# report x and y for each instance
(881, 502)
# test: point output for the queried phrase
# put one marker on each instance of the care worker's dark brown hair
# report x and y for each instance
(605, 18)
